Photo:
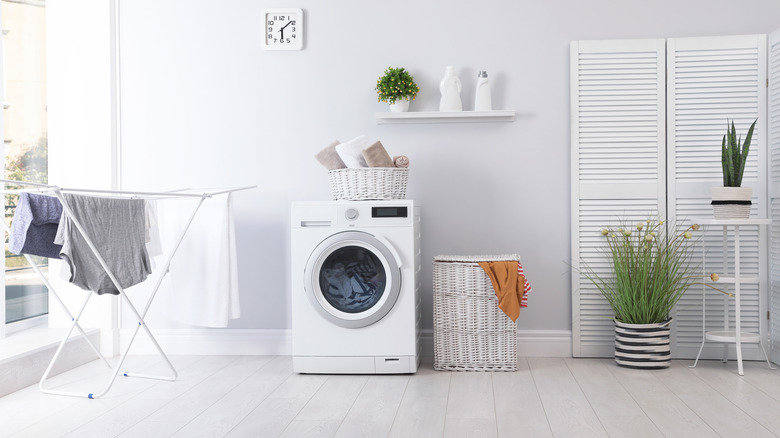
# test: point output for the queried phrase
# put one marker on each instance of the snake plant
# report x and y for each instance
(734, 155)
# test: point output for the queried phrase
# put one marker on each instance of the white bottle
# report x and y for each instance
(450, 91)
(482, 100)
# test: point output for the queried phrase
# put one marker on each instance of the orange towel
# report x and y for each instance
(508, 284)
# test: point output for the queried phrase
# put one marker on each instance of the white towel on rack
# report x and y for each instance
(202, 286)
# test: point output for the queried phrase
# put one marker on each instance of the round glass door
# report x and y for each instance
(352, 279)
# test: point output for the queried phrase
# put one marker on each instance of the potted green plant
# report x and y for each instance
(650, 269)
(732, 201)
(396, 87)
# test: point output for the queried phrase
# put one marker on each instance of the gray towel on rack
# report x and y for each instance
(117, 228)
(34, 226)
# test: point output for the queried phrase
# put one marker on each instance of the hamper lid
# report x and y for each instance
(476, 258)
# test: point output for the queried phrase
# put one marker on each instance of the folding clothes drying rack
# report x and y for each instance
(57, 191)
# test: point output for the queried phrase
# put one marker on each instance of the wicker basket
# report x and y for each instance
(470, 331)
(369, 183)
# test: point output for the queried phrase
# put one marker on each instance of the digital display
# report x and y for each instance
(388, 212)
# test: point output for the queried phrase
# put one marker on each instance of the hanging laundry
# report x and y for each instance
(526, 287)
(34, 226)
(117, 228)
(508, 285)
(202, 286)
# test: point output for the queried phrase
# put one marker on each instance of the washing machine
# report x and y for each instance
(355, 287)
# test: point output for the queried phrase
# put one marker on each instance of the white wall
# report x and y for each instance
(203, 104)
(81, 124)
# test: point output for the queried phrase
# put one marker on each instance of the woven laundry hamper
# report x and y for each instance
(369, 183)
(470, 331)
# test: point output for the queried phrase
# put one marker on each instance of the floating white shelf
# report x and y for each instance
(389, 118)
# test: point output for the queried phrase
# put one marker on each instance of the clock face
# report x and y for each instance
(283, 29)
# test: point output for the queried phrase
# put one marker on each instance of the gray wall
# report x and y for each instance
(203, 105)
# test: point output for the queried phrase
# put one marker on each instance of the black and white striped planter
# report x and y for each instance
(643, 346)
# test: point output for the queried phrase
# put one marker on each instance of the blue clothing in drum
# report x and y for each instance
(352, 279)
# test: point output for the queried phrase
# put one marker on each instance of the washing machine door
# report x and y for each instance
(352, 279)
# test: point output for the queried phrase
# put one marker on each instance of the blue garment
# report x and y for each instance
(34, 226)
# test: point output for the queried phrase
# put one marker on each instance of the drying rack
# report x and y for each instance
(57, 191)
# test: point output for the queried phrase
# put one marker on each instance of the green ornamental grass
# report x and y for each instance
(651, 270)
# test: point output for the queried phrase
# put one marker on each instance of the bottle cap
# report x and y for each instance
(482, 74)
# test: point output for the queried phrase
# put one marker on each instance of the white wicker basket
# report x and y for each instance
(369, 183)
(470, 331)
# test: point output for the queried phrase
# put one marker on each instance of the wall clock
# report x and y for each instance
(283, 29)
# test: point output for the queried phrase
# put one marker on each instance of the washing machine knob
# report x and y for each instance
(351, 214)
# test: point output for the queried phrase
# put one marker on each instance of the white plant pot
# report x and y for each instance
(400, 106)
(731, 202)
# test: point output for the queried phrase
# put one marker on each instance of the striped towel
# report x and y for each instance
(527, 288)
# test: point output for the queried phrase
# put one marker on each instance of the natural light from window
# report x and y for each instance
(25, 141)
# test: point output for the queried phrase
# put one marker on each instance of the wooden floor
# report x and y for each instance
(259, 396)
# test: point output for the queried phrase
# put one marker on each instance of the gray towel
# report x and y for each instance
(34, 226)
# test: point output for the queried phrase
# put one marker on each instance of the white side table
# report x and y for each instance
(729, 335)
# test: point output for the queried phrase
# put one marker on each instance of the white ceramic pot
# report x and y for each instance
(643, 346)
(400, 106)
(731, 202)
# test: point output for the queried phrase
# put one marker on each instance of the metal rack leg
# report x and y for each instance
(139, 317)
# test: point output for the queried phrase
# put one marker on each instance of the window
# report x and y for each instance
(25, 142)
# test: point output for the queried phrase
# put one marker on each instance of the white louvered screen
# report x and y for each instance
(618, 151)
(774, 194)
(711, 80)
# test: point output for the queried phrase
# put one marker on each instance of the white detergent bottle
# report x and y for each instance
(450, 91)
(482, 101)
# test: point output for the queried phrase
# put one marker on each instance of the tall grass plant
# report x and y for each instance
(651, 269)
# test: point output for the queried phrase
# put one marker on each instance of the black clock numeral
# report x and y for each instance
(270, 29)
(270, 36)
(294, 35)
(288, 40)
(271, 22)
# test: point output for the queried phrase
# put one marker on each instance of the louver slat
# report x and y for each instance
(711, 80)
(774, 193)
(617, 145)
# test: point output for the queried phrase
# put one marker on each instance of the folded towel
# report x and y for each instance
(351, 152)
(34, 226)
(329, 158)
(401, 161)
(508, 285)
(376, 156)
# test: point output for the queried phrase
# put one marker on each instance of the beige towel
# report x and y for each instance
(401, 161)
(329, 158)
(377, 156)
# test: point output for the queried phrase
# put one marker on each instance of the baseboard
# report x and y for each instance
(203, 341)
(544, 343)
(530, 343)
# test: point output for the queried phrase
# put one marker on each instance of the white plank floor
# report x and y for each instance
(260, 396)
